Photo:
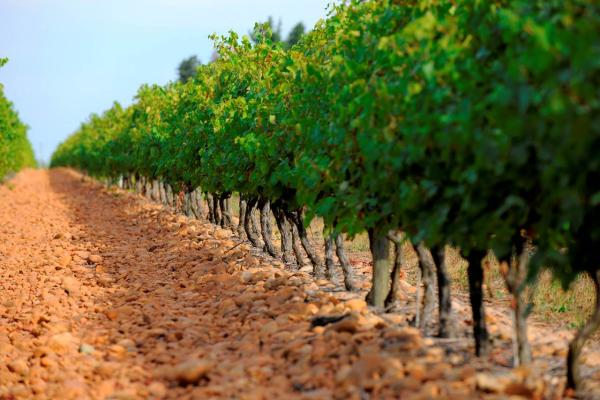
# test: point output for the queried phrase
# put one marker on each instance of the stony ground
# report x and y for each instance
(104, 295)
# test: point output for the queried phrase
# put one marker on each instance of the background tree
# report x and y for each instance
(262, 28)
(214, 57)
(187, 68)
(295, 34)
(269, 30)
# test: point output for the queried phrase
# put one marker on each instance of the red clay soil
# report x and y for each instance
(104, 295)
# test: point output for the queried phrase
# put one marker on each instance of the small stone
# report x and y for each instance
(394, 319)
(156, 333)
(117, 350)
(64, 260)
(192, 371)
(127, 344)
(82, 254)
(104, 279)
(355, 322)
(18, 366)
(6, 348)
(106, 369)
(61, 342)
(73, 389)
(488, 382)
(416, 370)
(311, 309)
(111, 314)
(94, 258)
(435, 354)
(251, 261)
(39, 386)
(48, 362)
(222, 233)
(157, 389)
(105, 389)
(86, 349)
(125, 394)
(246, 276)
(356, 305)
(274, 283)
(70, 285)
(269, 328)
(318, 329)
(402, 340)
(520, 389)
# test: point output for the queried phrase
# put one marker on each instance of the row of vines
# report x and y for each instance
(474, 124)
(15, 149)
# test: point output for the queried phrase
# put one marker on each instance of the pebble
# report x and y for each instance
(356, 305)
(95, 259)
(192, 371)
(86, 349)
(62, 342)
(70, 285)
(18, 366)
(157, 389)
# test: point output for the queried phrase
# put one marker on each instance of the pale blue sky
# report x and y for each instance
(69, 58)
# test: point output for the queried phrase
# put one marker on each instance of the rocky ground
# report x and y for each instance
(104, 295)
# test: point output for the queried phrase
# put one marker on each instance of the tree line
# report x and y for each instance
(472, 124)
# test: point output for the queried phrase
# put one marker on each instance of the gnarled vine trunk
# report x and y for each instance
(189, 207)
(265, 227)
(427, 267)
(336, 243)
(255, 221)
(380, 252)
(215, 207)
(446, 324)
(576, 345)
(200, 200)
(296, 245)
(397, 239)
(169, 194)
(248, 223)
(209, 206)
(318, 267)
(224, 205)
(139, 187)
(155, 191)
(286, 235)
(163, 194)
(340, 251)
(329, 262)
(242, 206)
(514, 272)
(126, 182)
(194, 205)
(148, 191)
(475, 275)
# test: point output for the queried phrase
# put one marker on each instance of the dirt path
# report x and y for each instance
(106, 296)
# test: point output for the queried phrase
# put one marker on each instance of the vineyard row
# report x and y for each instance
(473, 124)
(15, 149)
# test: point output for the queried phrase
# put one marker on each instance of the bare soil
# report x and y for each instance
(104, 295)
